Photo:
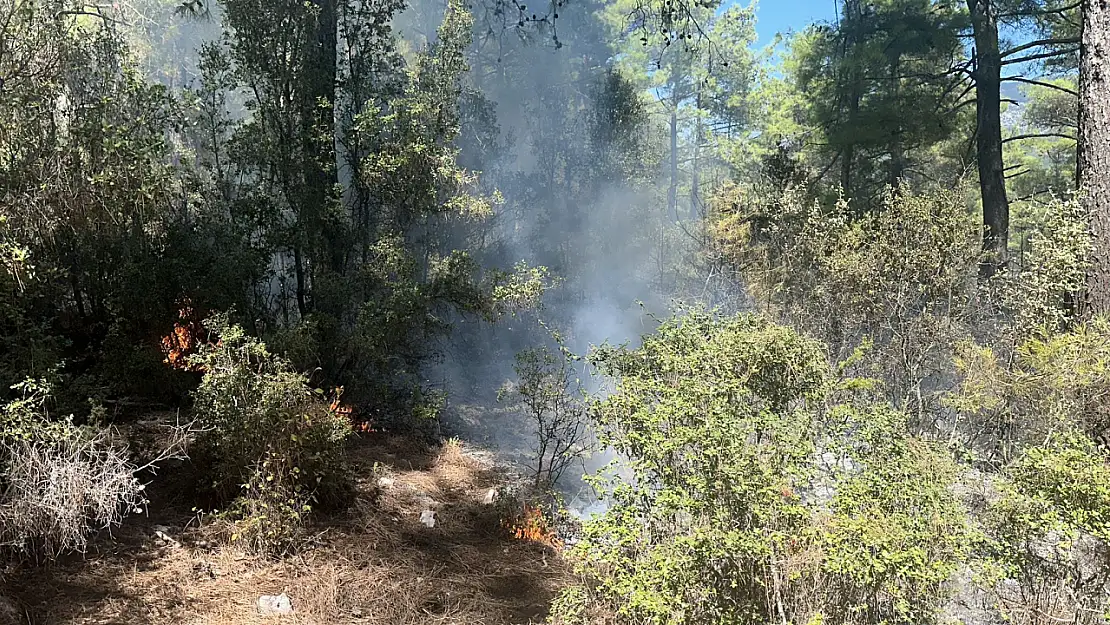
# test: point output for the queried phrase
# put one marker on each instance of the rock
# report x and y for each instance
(428, 518)
(162, 539)
(385, 482)
(491, 496)
(275, 605)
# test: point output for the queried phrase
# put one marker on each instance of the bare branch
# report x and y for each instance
(1043, 55)
(1039, 135)
(1042, 12)
(1039, 83)
(1039, 43)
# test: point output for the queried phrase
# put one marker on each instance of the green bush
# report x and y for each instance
(1046, 510)
(901, 278)
(759, 492)
(270, 443)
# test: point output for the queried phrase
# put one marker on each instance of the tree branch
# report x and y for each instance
(1043, 55)
(1039, 135)
(1039, 83)
(960, 105)
(90, 14)
(1063, 9)
(1040, 42)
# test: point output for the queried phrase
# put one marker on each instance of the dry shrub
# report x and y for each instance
(57, 492)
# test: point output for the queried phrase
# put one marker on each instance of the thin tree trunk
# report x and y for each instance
(853, 16)
(1094, 147)
(694, 190)
(897, 151)
(298, 270)
(988, 137)
(672, 191)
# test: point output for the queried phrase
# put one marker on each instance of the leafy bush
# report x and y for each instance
(901, 278)
(269, 441)
(755, 494)
(1042, 294)
(1046, 515)
(1049, 527)
(549, 393)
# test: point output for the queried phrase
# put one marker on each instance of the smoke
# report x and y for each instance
(548, 129)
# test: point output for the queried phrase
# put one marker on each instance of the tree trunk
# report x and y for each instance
(1094, 147)
(672, 191)
(853, 15)
(897, 150)
(988, 136)
(298, 271)
(321, 176)
(695, 202)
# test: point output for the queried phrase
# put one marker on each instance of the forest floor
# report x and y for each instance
(376, 563)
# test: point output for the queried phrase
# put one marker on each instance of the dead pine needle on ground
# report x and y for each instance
(377, 563)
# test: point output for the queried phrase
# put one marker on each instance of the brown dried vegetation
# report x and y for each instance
(374, 564)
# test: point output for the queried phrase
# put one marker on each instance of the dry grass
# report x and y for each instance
(375, 565)
(57, 492)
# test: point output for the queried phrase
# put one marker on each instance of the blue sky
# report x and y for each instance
(774, 16)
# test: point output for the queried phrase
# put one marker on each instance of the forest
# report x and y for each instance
(615, 312)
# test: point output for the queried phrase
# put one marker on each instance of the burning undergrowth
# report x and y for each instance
(185, 339)
(531, 524)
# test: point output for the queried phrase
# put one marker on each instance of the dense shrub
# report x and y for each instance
(1046, 511)
(759, 491)
(270, 443)
(901, 277)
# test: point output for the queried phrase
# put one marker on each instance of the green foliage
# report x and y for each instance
(268, 439)
(754, 496)
(1047, 507)
(550, 393)
(896, 534)
(1054, 270)
(900, 278)
(26, 418)
(374, 269)
(1048, 384)
(1049, 528)
(862, 74)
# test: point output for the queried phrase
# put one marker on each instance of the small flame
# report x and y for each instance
(341, 409)
(183, 341)
(533, 527)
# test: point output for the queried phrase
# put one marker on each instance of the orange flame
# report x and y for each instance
(344, 410)
(183, 340)
(532, 526)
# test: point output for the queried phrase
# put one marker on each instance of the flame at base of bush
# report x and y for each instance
(358, 423)
(532, 526)
(182, 342)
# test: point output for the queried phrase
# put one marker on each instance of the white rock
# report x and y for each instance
(385, 482)
(428, 518)
(270, 605)
(491, 496)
